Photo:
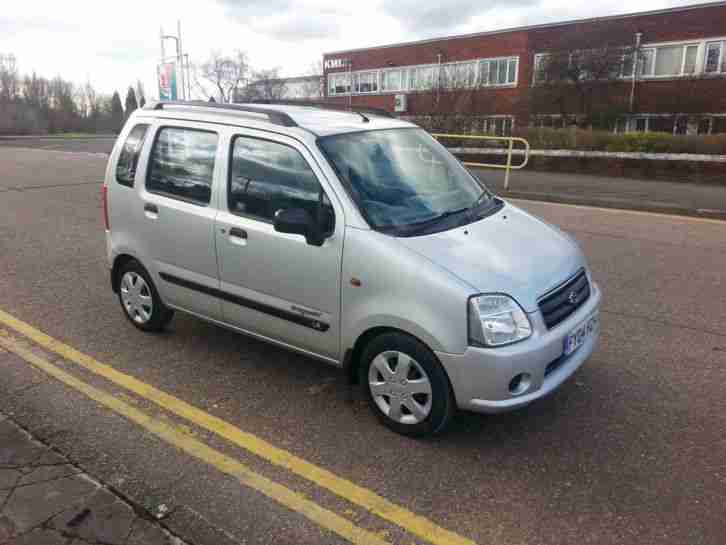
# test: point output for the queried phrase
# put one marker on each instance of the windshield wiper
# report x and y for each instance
(479, 200)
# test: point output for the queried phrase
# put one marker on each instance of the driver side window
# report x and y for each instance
(267, 176)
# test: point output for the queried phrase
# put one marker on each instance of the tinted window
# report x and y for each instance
(129, 157)
(267, 177)
(182, 164)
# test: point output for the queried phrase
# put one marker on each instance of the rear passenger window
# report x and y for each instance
(182, 164)
(129, 157)
(267, 176)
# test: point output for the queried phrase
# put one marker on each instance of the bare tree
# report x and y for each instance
(584, 79)
(221, 75)
(9, 79)
(140, 94)
(266, 85)
(313, 87)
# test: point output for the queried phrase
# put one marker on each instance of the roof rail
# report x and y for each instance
(275, 116)
(326, 105)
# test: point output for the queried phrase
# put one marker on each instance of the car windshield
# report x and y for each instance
(403, 179)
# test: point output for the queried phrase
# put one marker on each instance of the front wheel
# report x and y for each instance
(407, 387)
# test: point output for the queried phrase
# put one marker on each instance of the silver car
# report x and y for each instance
(354, 238)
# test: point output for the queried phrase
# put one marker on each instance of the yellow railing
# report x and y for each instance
(508, 166)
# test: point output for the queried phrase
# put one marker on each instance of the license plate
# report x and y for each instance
(580, 334)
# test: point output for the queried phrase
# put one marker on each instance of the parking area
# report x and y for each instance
(229, 440)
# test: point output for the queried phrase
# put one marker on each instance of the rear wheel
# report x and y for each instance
(406, 385)
(140, 300)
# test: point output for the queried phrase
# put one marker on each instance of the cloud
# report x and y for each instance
(441, 18)
(10, 26)
(286, 20)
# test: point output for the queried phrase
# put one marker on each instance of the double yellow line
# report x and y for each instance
(363, 497)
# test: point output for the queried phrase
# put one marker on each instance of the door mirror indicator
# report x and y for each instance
(298, 221)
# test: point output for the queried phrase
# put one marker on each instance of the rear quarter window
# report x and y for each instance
(128, 159)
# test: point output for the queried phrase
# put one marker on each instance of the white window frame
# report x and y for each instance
(408, 76)
(681, 72)
(356, 80)
(721, 56)
(489, 62)
(331, 88)
(491, 120)
(401, 81)
(471, 81)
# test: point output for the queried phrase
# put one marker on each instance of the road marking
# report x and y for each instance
(626, 211)
(378, 505)
(168, 432)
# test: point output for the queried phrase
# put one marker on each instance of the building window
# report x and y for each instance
(704, 125)
(498, 126)
(661, 124)
(339, 83)
(681, 126)
(422, 78)
(715, 58)
(498, 71)
(392, 80)
(664, 61)
(540, 68)
(458, 75)
(365, 82)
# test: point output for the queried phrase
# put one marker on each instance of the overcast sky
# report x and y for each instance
(114, 44)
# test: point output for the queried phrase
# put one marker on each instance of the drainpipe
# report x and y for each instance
(350, 84)
(636, 58)
(438, 79)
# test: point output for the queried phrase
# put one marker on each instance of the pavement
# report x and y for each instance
(698, 200)
(47, 500)
(222, 439)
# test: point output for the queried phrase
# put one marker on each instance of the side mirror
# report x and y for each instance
(298, 221)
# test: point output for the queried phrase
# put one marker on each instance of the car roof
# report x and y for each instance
(282, 118)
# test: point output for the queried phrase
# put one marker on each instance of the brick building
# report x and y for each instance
(671, 75)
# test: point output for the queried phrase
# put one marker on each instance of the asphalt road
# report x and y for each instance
(631, 450)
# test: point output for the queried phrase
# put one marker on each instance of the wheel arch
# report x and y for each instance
(118, 264)
(351, 359)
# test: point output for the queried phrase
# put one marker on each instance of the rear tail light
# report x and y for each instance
(104, 193)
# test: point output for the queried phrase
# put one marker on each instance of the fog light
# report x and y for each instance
(520, 383)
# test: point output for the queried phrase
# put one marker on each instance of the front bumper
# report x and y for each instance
(480, 377)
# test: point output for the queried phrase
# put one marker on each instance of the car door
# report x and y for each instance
(179, 212)
(276, 284)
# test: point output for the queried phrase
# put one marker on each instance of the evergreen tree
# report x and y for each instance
(117, 112)
(131, 103)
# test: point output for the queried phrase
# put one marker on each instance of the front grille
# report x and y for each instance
(565, 299)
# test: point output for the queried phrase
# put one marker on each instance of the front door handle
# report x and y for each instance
(151, 210)
(238, 236)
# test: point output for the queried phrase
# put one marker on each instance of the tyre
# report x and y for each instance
(139, 299)
(406, 385)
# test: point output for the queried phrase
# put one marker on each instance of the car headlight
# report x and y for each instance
(496, 320)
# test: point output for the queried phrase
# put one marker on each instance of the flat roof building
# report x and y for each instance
(661, 70)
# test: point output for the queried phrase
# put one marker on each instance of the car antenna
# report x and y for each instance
(361, 114)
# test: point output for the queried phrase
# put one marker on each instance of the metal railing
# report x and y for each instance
(508, 166)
